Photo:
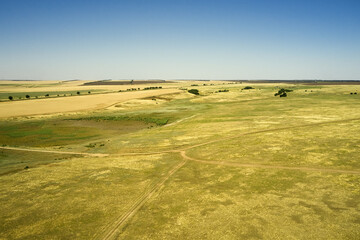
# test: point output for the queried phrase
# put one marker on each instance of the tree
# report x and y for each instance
(89, 92)
(11, 98)
(282, 92)
(27, 96)
(46, 95)
(194, 91)
(78, 93)
(247, 87)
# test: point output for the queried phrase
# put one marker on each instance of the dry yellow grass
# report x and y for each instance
(49, 86)
(73, 104)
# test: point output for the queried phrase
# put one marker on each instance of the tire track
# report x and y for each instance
(53, 151)
(179, 121)
(271, 130)
(113, 230)
(250, 165)
(182, 149)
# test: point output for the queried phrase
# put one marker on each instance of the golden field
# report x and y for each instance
(167, 164)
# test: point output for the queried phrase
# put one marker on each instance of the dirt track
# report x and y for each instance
(113, 229)
(247, 165)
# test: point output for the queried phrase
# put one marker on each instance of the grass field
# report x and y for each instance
(241, 164)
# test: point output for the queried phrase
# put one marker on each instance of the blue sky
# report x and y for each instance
(179, 39)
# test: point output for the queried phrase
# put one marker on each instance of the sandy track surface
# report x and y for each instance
(73, 104)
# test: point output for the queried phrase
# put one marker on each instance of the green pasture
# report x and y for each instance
(258, 167)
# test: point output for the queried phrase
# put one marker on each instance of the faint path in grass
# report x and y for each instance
(181, 149)
(249, 165)
(112, 230)
(270, 130)
(179, 121)
(53, 151)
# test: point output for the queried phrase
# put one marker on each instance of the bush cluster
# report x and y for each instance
(283, 92)
(194, 91)
(247, 87)
(149, 88)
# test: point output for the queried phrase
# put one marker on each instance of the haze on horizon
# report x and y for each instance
(180, 39)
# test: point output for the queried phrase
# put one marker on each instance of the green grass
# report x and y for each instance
(74, 198)
(15, 161)
(62, 132)
(206, 202)
(74, 195)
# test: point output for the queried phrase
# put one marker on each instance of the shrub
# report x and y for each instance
(282, 92)
(27, 96)
(194, 91)
(11, 98)
(149, 88)
(89, 92)
(247, 87)
(46, 95)
(78, 93)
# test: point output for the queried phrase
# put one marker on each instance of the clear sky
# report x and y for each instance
(179, 39)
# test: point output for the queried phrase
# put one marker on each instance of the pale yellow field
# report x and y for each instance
(30, 86)
(75, 103)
